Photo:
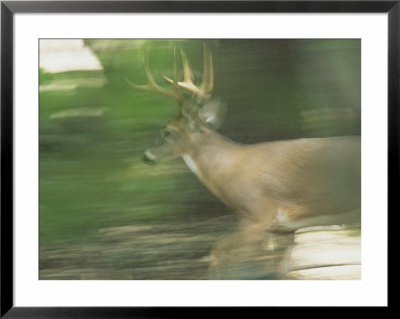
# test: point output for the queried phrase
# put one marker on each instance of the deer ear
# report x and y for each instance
(213, 113)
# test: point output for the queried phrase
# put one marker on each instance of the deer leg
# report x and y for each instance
(284, 253)
(250, 252)
(230, 256)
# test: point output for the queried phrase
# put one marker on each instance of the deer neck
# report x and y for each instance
(210, 156)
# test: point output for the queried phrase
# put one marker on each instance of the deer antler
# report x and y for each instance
(203, 90)
(207, 84)
(152, 85)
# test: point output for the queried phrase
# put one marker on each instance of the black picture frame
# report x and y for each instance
(9, 8)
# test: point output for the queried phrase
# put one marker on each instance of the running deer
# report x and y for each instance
(274, 188)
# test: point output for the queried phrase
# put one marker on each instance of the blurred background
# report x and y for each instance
(106, 215)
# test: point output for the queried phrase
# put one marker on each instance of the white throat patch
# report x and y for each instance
(192, 165)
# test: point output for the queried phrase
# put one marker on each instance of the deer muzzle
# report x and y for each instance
(149, 158)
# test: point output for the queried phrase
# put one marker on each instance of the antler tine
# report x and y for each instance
(177, 71)
(188, 78)
(177, 76)
(152, 86)
(207, 83)
(187, 71)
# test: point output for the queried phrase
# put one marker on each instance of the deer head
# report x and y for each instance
(197, 109)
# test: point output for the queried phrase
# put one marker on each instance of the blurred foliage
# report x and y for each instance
(94, 127)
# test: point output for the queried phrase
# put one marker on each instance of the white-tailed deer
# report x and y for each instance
(274, 188)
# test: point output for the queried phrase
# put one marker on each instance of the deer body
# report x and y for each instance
(278, 181)
(289, 184)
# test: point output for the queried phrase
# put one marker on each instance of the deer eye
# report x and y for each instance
(167, 133)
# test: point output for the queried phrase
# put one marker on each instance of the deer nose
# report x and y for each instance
(148, 158)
